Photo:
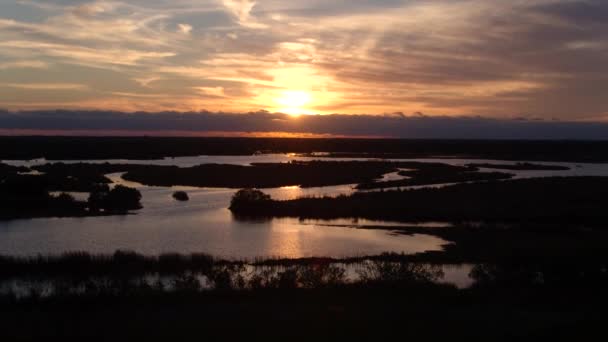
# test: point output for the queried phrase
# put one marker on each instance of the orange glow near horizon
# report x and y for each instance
(174, 133)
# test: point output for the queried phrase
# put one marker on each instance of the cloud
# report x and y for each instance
(261, 123)
(24, 64)
(146, 81)
(211, 91)
(44, 86)
(82, 55)
(490, 58)
(241, 9)
(184, 28)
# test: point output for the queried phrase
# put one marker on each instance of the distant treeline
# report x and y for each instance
(155, 148)
(556, 199)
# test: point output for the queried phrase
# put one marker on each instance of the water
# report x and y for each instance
(576, 169)
(25, 286)
(204, 224)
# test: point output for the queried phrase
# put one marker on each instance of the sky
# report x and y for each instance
(495, 60)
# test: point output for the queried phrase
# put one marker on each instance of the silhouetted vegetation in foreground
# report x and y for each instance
(210, 273)
(84, 273)
(344, 313)
(529, 281)
(580, 200)
(309, 300)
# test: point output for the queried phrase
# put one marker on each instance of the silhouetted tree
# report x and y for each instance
(181, 196)
(248, 200)
(120, 198)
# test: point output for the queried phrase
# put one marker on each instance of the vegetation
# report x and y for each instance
(308, 174)
(180, 296)
(248, 201)
(181, 196)
(434, 173)
(83, 177)
(128, 271)
(520, 167)
(59, 148)
(8, 170)
(118, 199)
(27, 196)
(270, 175)
(536, 247)
(69, 272)
(579, 200)
(344, 313)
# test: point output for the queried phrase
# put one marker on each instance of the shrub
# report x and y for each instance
(120, 198)
(181, 196)
(248, 199)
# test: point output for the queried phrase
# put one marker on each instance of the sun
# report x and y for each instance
(293, 101)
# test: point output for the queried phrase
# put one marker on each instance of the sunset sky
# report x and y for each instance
(530, 59)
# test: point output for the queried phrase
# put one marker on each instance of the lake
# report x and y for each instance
(204, 224)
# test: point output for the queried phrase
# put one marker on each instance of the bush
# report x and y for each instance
(248, 199)
(181, 196)
(387, 272)
(120, 198)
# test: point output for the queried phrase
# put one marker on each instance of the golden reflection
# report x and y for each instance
(286, 239)
(291, 187)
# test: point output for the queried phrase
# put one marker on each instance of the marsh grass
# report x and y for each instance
(128, 272)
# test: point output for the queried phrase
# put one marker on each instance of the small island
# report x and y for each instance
(249, 201)
(181, 196)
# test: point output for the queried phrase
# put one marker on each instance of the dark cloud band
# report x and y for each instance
(397, 125)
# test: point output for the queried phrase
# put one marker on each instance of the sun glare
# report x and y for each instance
(293, 101)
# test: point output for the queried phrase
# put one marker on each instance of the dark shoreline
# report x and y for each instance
(145, 148)
(557, 200)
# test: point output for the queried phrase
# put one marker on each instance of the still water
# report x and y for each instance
(204, 224)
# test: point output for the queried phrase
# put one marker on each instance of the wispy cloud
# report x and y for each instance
(44, 86)
(24, 64)
(184, 28)
(87, 56)
(241, 10)
(500, 59)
